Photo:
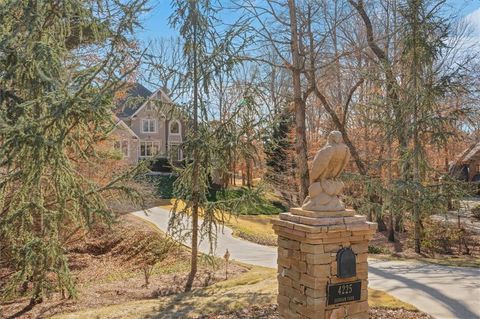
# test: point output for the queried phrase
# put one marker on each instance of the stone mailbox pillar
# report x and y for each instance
(323, 247)
(309, 285)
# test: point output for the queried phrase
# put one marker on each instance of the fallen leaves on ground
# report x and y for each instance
(270, 312)
(106, 264)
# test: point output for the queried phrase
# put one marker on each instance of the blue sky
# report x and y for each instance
(156, 20)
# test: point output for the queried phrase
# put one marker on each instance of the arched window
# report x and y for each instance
(174, 127)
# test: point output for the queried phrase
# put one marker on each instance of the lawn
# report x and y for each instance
(254, 228)
(265, 203)
(258, 287)
(257, 229)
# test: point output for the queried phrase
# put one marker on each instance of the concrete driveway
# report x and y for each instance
(441, 291)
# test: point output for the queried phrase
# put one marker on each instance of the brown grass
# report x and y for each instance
(107, 272)
(256, 287)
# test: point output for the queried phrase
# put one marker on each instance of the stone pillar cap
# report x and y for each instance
(319, 214)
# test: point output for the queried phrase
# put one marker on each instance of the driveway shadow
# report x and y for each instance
(458, 309)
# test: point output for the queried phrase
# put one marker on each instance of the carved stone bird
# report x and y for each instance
(327, 165)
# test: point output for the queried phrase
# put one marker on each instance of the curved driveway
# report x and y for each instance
(441, 291)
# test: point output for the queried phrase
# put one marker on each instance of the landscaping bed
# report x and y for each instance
(251, 294)
(440, 249)
(270, 312)
(107, 271)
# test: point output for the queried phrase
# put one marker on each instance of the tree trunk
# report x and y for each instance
(417, 236)
(146, 276)
(417, 178)
(193, 265)
(369, 216)
(380, 224)
(391, 229)
(234, 182)
(398, 224)
(299, 103)
(249, 172)
(196, 163)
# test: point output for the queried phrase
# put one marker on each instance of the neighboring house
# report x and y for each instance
(466, 166)
(147, 125)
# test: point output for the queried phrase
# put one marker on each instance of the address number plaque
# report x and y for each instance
(344, 292)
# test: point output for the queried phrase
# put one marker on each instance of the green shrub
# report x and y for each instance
(377, 250)
(163, 184)
(279, 205)
(262, 205)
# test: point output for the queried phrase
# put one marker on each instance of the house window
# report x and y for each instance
(122, 146)
(149, 125)
(174, 127)
(175, 152)
(149, 149)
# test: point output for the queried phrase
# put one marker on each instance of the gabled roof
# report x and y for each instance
(136, 95)
(158, 93)
(127, 128)
(470, 154)
(121, 124)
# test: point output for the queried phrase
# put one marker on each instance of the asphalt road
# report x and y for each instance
(441, 291)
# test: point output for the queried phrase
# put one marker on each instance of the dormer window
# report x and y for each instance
(149, 125)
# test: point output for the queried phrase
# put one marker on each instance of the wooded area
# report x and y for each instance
(262, 83)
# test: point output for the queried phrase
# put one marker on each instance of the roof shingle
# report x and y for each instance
(136, 95)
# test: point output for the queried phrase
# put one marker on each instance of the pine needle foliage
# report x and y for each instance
(208, 143)
(419, 120)
(59, 70)
(424, 46)
(280, 164)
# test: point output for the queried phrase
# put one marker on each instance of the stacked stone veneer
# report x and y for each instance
(308, 243)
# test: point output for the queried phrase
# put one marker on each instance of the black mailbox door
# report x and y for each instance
(346, 263)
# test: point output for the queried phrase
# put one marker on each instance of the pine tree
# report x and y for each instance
(55, 105)
(207, 143)
(278, 149)
(424, 36)
(424, 82)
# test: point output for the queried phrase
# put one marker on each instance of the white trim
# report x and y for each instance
(164, 96)
(158, 143)
(121, 147)
(175, 144)
(142, 128)
(179, 127)
(125, 126)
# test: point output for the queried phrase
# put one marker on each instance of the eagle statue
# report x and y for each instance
(327, 165)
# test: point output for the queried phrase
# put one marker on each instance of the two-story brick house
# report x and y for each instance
(147, 125)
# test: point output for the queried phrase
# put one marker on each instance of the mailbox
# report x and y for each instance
(346, 263)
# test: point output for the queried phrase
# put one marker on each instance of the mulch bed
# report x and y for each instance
(270, 312)
(397, 314)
